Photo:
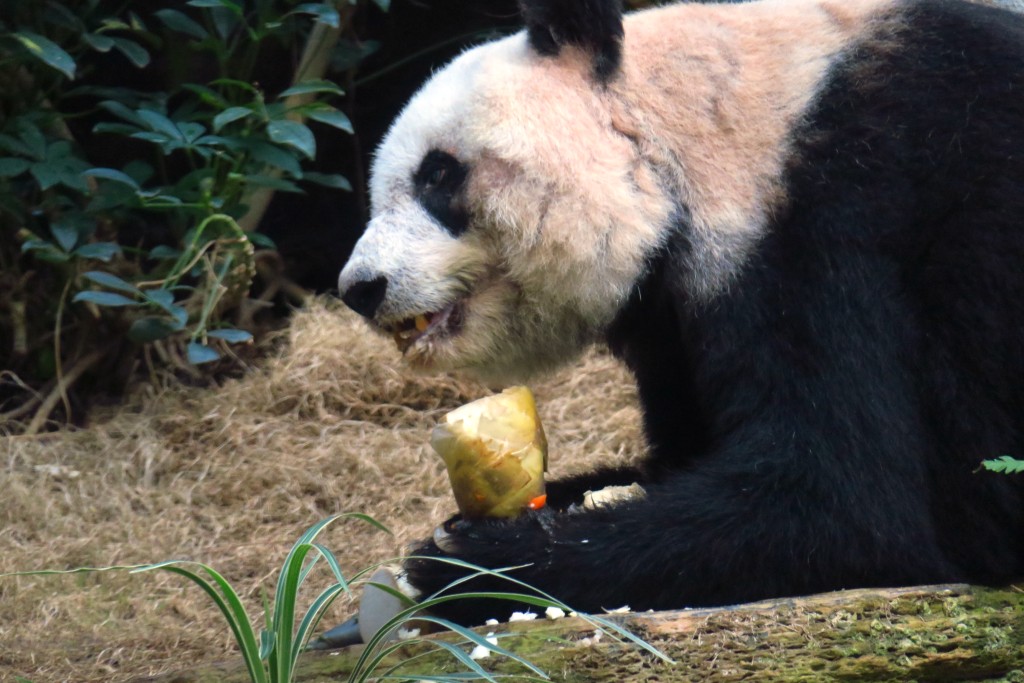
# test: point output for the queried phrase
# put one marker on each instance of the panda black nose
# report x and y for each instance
(365, 296)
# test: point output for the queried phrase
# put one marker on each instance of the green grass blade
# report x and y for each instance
(482, 641)
(366, 664)
(293, 573)
(414, 612)
(610, 627)
(623, 633)
(284, 609)
(229, 605)
(266, 643)
(312, 617)
(460, 655)
(332, 562)
(308, 568)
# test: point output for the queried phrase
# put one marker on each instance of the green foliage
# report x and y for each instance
(271, 654)
(193, 159)
(1004, 464)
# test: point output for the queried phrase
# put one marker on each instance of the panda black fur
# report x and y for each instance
(801, 225)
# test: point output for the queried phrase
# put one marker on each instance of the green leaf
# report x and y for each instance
(98, 41)
(383, 4)
(113, 175)
(332, 180)
(235, 7)
(162, 252)
(114, 24)
(1005, 464)
(135, 53)
(45, 175)
(293, 134)
(111, 281)
(207, 95)
(225, 21)
(324, 12)
(177, 21)
(261, 241)
(200, 353)
(65, 232)
(152, 328)
(227, 601)
(109, 299)
(229, 115)
(13, 144)
(274, 156)
(45, 251)
(164, 298)
(33, 139)
(281, 184)
(266, 643)
(12, 166)
(112, 195)
(191, 131)
(101, 251)
(47, 51)
(116, 128)
(123, 112)
(235, 83)
(231, 335)
(331, 117)
(313, 86)
(159, 123)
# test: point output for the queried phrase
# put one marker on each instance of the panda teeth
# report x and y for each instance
(412, 329)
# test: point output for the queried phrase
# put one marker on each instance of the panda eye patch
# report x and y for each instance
(438, 186)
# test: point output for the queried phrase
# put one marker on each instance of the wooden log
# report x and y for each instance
(931, 633)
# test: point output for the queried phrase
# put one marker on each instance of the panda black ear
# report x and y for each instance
(594, 25)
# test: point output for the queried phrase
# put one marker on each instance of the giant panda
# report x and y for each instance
(800, 223)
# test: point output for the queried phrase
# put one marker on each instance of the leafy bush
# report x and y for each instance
(151, 258)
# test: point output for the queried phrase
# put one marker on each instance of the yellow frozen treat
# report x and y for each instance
(496, 454)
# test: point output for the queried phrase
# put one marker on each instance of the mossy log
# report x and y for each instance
(933, 633)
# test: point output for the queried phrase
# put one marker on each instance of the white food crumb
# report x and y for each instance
(592, 640)
(522, 616)
(482, 652)
(491, 622)
(621, 610)
(554, 612)
(407, 633)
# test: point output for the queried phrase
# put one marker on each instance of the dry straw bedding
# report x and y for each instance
(231, 477)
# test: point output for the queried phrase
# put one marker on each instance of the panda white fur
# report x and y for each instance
(799, 222)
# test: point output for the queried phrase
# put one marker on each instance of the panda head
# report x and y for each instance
(510, 219)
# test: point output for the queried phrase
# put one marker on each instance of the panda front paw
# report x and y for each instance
(522, 543)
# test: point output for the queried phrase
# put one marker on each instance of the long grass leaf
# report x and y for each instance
(335, 566)
(232, 609)
(312, 617)
(284, 609)
(626, 634)
(482, 641)
(460, 655)
(615, 630)
(367, 665)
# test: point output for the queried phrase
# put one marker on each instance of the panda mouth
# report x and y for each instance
(429, 326)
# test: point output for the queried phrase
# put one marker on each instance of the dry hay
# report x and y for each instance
(231, 477)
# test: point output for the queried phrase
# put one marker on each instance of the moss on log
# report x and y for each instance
(935, 634)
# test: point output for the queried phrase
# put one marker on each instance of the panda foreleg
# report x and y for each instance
(701, 538)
